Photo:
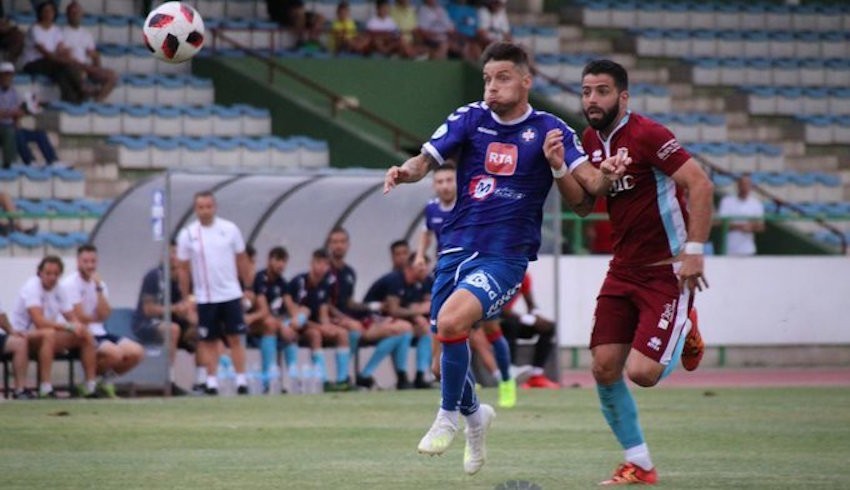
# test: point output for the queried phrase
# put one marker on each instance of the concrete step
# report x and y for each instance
(526, 18)
(570, 32)
(699, 104)
(106, 188)
(600, 46)
(659, 76)
(814, 163)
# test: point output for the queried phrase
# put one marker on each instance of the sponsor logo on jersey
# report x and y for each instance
(481, 186)
(528, 135)
(654, 344)
(501, 158)
(491, 132)
(503, 299)
(668, 148)
(667, 316)
(624, 183)
(508, 193)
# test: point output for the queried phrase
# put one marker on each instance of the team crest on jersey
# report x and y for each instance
(596, 156)
(501, 158)
(481, 186)
(528, 135)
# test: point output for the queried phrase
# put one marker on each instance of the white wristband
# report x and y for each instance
(562, 171)
(528, 319)
(694, 248)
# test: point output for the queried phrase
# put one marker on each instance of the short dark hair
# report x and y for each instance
(338, 229)
(51, 259)
(608, 67)
(321, 254)
(398, 243)
(86, 247)
(505, 51)
(446, 167)
(204, 193)
(279, 253)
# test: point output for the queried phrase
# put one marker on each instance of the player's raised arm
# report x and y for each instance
(410, 171)
(579, 200)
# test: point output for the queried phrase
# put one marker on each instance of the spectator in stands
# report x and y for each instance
(275, 316)
(211, 252)
(384, 34)
(404, 16)
(526, 326)
(438, 31)
(311, 289)
(45, 53)
(11, 38)
(391, 335)
(15, 139)
(740, 238)
(406, 294)
(344, 36)
(86, 292)
(149, 318)
(43, 314)
(14, 345)
(7, 204)
(84, 53)
(306, 24)
(493, 23)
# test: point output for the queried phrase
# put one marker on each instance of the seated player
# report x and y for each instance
(311, 290)
(14, 344)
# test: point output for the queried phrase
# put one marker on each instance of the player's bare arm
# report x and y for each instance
(410, 171)
(424, 243)
(700, 207)
(576, 197)
(598, 181)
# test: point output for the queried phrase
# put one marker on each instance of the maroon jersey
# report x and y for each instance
(648, 212)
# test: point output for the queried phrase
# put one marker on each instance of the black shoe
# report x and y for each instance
(420, 383)
(402, 383)
(199, 389)
(210, 391)
(365, 382)
(337, 386)
(25, 394)
(177, 391)
(242, 390)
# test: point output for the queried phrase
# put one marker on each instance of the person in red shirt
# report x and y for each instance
(641, 321)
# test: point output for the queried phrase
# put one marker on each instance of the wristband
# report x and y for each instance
(562, 171)
(69, 327)
(528, 319)
(694, 248)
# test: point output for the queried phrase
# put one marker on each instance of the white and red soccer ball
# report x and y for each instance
(174, 32)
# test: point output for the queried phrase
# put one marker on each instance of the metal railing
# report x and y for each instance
(337, 102)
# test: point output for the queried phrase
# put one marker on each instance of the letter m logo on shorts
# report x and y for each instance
(501, 159)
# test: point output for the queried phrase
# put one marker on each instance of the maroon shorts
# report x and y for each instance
(641, 306)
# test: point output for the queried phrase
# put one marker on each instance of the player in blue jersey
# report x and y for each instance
(438, 209)
(508, 155)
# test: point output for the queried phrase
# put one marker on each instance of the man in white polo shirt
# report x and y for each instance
(741, 237)
(43, 314)
(211, 251)
(87, 295)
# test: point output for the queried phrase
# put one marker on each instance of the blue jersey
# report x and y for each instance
(503, 178)
(379, 289)
(341, 282)
(313, 296)
(435, 216)
(273, 289)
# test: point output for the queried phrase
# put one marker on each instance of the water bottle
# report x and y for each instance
(308, 379)
(226, 376)
(273, 380)
(295, 381)
(255, 380)
(318, 382)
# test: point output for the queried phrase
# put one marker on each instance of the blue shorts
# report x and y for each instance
(100, 339)
(216, 320)
(492, 279)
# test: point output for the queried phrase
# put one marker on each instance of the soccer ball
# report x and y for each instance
(174, 32)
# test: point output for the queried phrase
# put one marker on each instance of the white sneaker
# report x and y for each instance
(439, 436)
(520, 371)
(475, 452)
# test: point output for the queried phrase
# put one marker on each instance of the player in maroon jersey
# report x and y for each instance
(641, 319)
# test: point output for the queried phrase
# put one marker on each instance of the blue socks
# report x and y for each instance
(502, 353)
(382, 350)
(268, 353)
(343, 354)
(319, 363)
(290, 354)
(423, 354)
(469, 400)
(402, 350)
(454, 364)
(354, 340)
(621, 413)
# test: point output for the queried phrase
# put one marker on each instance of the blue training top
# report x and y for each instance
(503, 178)
(435, 216)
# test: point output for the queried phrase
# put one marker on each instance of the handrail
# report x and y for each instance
(337, 101)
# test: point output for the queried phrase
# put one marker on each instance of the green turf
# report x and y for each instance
(726, 438)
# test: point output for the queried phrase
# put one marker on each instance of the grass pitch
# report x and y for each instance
(722, 438)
